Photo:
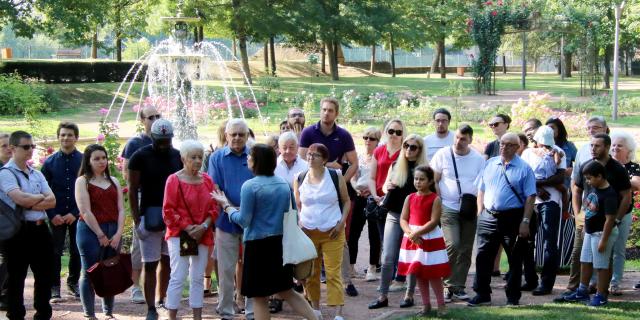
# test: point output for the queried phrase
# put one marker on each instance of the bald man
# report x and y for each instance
(506, 194)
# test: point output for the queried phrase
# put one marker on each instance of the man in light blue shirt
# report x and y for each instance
(229, 170)
(507, 191)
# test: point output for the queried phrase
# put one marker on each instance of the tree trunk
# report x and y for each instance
(235, 47)
(607, 67)
(443, 65)
(333, 63)
(118, 46)
(535, 65)
(266, 56)
(201, 33)
(436, 60)
(393, 55)
(245, 58)
(568, 65)
(94, 45)
(626, 63)
(272, 48)
(373, 59)
(504, 64)
(323, 63)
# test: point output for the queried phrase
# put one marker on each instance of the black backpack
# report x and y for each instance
(10, 218)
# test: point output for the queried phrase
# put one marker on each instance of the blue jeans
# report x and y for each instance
(619, 250)
(89, 248)
(390, 253)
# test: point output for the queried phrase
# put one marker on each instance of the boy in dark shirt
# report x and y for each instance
(600, 207)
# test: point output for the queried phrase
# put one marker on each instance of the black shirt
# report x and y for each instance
(154, 167)
(597, 204)
(617, 177)
(492, 149)
(395, 197)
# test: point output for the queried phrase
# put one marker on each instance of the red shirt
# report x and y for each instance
(104, 203)
(197, 205)
(384, 162)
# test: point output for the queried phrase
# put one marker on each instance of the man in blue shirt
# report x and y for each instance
(506, 194)
(228, 169)
(32, 246)
(61, 170)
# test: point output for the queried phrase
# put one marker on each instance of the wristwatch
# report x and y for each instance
(205, 225)
(526, 220)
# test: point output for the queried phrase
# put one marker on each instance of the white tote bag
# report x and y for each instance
(296, 245)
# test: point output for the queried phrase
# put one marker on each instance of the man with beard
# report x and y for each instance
(296, 120)
(442, 137)
(149, 168)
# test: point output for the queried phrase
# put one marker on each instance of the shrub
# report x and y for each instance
(70, 71)
(537, 107)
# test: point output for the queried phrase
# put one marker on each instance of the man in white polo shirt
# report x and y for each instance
(442, 137)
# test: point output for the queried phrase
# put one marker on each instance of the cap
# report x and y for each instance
(162, 128)
(544, 136)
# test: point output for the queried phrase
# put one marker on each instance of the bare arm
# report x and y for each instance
(84, 207)
(48, 202)
(436, 177)
(352, 158)
(346, 206)
(576, 198)
(23, 199)
(528, 211)
(125, 169)
(134, 187)
(373, 167)
(555, 179)
(609, 223)
(635, 183)
(296, 194)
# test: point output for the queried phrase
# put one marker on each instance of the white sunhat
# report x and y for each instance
(544, 136)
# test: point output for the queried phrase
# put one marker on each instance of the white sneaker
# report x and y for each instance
(371, 275)
(136, 295)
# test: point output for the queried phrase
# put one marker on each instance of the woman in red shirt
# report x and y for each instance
(188, 211)
(100, 203)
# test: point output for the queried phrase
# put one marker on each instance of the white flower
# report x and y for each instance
(404, 102)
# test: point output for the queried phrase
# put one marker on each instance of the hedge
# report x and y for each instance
(70, 71)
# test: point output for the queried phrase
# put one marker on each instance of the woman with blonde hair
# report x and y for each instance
(398, 185)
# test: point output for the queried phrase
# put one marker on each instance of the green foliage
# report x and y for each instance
(134, 49)
(110, 139)
(70, 71)
(634, 234)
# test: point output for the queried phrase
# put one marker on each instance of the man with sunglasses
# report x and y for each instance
(442, 137)
(296, 121)
(148, 115)
(506, 194)
(32, 247)
(499, 125)
(229, 170)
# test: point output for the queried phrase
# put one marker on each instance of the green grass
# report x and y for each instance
(612, 311)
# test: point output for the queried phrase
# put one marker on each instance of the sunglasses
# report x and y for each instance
(154, 117)
(495, 124)
(365, 138)
(396, 132)
(411, 147)
(26, 147)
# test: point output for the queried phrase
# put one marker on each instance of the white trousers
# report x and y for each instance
(181, 267)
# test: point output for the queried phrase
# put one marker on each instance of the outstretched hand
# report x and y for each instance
(219, 197)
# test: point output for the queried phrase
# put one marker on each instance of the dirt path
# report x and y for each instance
(355, 307)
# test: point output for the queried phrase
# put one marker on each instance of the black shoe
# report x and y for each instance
(73, 290)
(351, 290)
(528, 287)
(275, 305)
(637, 286)
(495, 273)
(513, 303)
(55, 295)
(406, 303)
(540, 291)
(377, 304)
(479, 301)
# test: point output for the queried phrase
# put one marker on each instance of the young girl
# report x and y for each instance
(423, 251)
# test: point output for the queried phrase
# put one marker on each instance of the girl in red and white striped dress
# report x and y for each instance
(423, 251)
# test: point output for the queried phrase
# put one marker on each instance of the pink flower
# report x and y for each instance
(136, 107)
(104, 111)
(49, 150)
(494, 13)
(100, 137)
(30, 162)
(499, 2)
(125, 190)
(637, 205)
(634, 218)
(488, 3)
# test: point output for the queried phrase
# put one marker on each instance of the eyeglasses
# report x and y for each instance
(495, 124)
(507, 145)
(154, 117)
(298, 114)
(314, 155)
(411, 147)
(365, 138)
(236, 134)
(396, 132)
(26, 147)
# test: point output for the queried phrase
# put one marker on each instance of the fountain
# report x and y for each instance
(178, 80)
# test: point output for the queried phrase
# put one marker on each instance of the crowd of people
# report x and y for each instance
(425, 201)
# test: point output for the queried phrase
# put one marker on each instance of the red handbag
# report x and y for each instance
(111, 276)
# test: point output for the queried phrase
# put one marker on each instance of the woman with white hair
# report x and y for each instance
(188, 212)
(398, 185)
(623, 149)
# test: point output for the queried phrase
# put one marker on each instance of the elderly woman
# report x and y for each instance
(324, 207)
(265, 199)
(623, 149)
(100, 202)
(398, 185)
(188, 211)
(360, 182)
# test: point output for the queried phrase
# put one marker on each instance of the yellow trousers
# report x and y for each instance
(331, 252)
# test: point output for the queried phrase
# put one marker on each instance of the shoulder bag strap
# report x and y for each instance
(19, 208)
(336, 184)
(455, 169)
(504, 172)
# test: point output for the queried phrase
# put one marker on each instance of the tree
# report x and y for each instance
(20, 15)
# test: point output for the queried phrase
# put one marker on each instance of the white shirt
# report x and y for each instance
(320, 209)
(583, 155)
(288, 174)
(469, 166)
(364, 173)
(531, 158)
(435, 143)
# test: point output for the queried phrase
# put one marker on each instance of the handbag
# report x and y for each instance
(468, 201)
(375, 211)
(153, 220)
(10, 218)
(188, 245)
(297, 248)
(112, 276)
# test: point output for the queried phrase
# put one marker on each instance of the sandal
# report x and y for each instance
(275, 305)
